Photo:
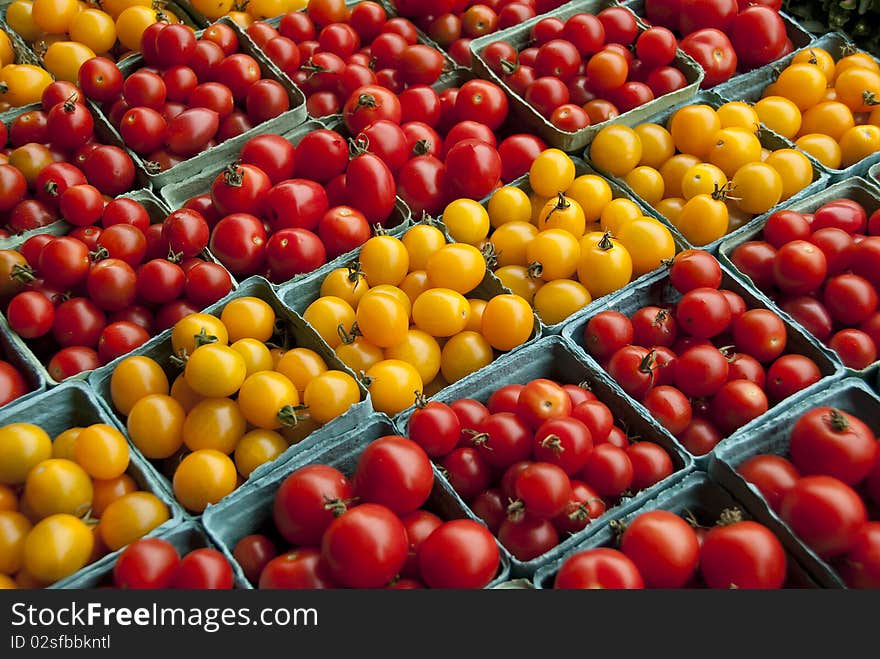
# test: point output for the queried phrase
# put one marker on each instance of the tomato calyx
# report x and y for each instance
(648, 363)
(837, 421)
(347, 336)
(69, 105)
(660, 317)
(51, 188)
(516, 510)
(233, 175)
(152, 167)
(338, 506)
(554, 443)
(562, 203)
(618, 527)
(478, 438)
(99, 255)
(290, 415)
(508, 67)
(582, 512)
(421, 401)
(535, 270)
(605, 242)
(422, 148)
(729, 516)
(22, 273)
(313, 69)
(868, 98)
(490, 256)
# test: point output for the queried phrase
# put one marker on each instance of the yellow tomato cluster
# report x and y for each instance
(255, 10)
(403, 317)
(706, 170)
(66, 502)
(236, 397)
(828, 108)
(566, 243)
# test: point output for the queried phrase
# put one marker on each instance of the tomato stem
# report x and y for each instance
(618, 526)
(338, 506)
(561, 204)
(22, 273)
(535, 270)
(421, 401)
(346, 337)
(422, 148)
(508, 67)
(554, 443)
(729, 516)
(605, 242)
(233, 175)
(838, 421)
(358, 146)
(516, 510)
(490, 255)
(289, 415)
(152, 167)
(868, 98)
(174, 257)
(99, 254)
(478, 438)
(203, 338)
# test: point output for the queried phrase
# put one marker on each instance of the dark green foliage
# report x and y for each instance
(856, 18)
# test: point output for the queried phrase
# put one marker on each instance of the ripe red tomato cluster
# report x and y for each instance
(154, 563)
(724, 36)
(705, 365)
(100, 292)
(582, 71)
(823, 269)
(369, 531)
(192, 94)
(537, 461)
(659, 549)
(454, 23)
(50, 150)
(328, 61)
(821, 490)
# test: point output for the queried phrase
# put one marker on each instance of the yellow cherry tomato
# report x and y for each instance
(132, 379)
(382, 320)
(647, 183)
(794, 169)
(345, 283)
(510, 240)
(738, 114)
(803, 84)
(7, 53)
(704, 178)
(301, 365)
(779, 114)
(265, 9)
(57, 485)
(155, 426)
(457, 266)
(359, 354)
(257, 448)
(858, 60)
(818, 57)
(384, 260)
(31, 158)
(619, 212)
(329, 317)
(255, 354)
(94, 29)
(554, 253)
(757, 187)
(657, 144)
(395, 294)
(441, 312)
(823, 148)
(243, 19)
(592, 193)
(7, 583)
(557, 300)
(703, 219)
(184, 394)
(56, 547)
(509, 204)
(8, 499)
(248, 318)
(858, 143)
(393, 385)
(648, 242)
(693, 129)
(215, 370)
(673, 172)
(14, 528)
(108, 491)
(102, 451)
(508, 322)
(62, 445)
(63, 58)
(466, 221)
(330, 395)
(131, 23)
(215, 423)
(19, 15)
(605, 265)
(475, 320)
(537, 201)
(616, 149)
(463, 354)
(415, 283)
(268, 400)
(22, 447)
(421, 242)
(563, 213)
(54, 16)
(670, 208)
(131, 517)
(213, 9)
(551, 173)
(195, 330)
(519, 280)
(203, 477)
(733, 148)
(23, 84)
(829, 117)
(421, 350)
(858, 89)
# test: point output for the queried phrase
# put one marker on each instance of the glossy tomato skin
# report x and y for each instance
(742, 555)
(72, 360)
(527, 537)
(773, 475)
(833, 442)
(565, 442)
(602, 567)
(861, 566)
(664, 548)
(422, 185)
(300, 509)
(459, 554)
(540, 400)
(419, 524)
(758, 34)
(203, 569)
(291, 252)
(483, 101)
(474, 169)
(396, 472)
(467, 472)
(239, 242)
(301, 568)
(368, 104)
(517, 152)
(253, 552)
(148, 563)
(714, 52)
(436, 428)
(370, 187)
(240, 189)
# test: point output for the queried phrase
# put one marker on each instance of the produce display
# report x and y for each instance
(822, 269)
(404, 335)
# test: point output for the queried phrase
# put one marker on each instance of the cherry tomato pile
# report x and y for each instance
(554, 247)
(400, 315)
(193, 93)
(537, 461)
(454, 23)
(257, 10)
(706, 171)
(703, 366)
(67, 501)
(724, 36)
(64, 33)
(822, 269)
(84, 299)
(49, 150)
(155, 563)
(331, 60)
(826, 106)
(582, 72)
(659, 549)
(827, 490)
(372, 529)
(235, 397)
